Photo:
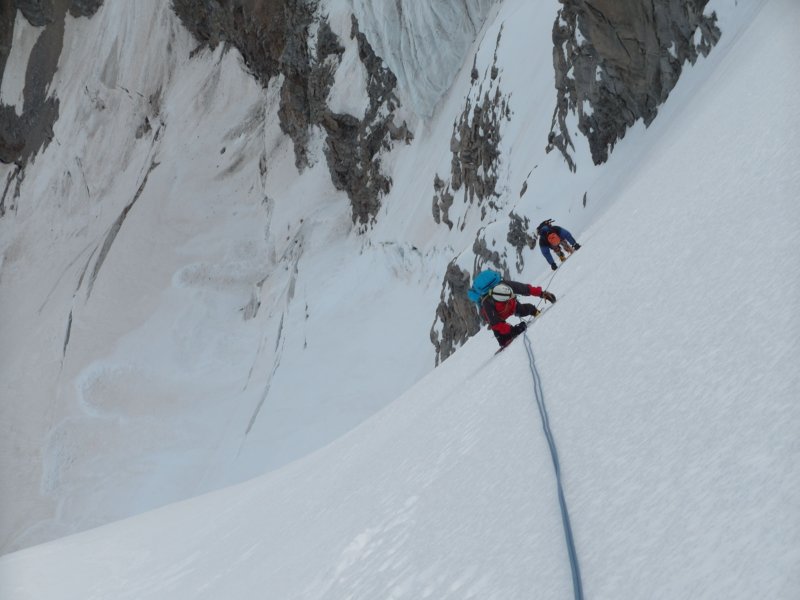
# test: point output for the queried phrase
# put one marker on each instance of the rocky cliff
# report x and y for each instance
(24, 132)
(292, 39)
(616, 62)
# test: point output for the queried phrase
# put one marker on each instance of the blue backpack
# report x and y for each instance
(482, 285)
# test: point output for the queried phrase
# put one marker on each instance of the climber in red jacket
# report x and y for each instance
(501, 303)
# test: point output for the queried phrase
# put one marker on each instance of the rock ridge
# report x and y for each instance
(276, 38)
(616, 61)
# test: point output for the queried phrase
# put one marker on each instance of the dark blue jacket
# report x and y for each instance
(544, 246)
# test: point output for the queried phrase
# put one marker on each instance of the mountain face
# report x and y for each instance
(23, 134)
(616, 62)
(202, 199)
(276, 40)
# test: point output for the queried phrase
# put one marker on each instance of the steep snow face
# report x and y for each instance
(100, 238)
(668, 369)
(423, 43)
(189, 310)
(170, 276)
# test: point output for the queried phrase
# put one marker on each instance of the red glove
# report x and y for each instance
(535, 291)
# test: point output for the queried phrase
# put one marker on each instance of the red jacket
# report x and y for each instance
(496, 312)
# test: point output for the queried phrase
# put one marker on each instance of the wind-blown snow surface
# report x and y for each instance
(167, 286)
(669, 369)
(423, 43)
(170, 273)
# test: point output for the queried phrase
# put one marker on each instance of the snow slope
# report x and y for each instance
(423, 43)
(669, 370)
(170, 273)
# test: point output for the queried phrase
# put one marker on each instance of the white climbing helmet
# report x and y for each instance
(502, 292)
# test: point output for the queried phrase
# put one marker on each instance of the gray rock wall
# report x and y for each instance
(622, 58)
(7, 16)
(274, 38)
(85, 8)
(615, 61)
(423, 42)
(474, 164)
(474, 146)
(38, 12)
(23, 136)
(520, 237)
(354, 146)
(456, 316)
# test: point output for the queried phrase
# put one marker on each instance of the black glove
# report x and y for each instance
(549, 296)
(576, 246)
(519, 328)
(553, 267)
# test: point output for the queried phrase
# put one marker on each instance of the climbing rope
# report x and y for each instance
(547, 287)
(539, 393)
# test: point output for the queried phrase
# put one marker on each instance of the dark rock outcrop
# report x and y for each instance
(486, 257)
(274, 38)
(38, 13)
(519, 238)
(306, 83)
(474, 145)
(258, 29)
(85, 8)
(354, 146)
(616, 61)
(22, 136)
(12, 138)
(11, 190)
(456, 316)
(442, 201)
(476, 137)
(41, 13)
(474, 166)
(7, 16)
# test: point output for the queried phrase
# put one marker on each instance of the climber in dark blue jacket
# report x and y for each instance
(555, 238)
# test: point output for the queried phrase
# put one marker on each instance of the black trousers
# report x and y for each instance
(522, 310)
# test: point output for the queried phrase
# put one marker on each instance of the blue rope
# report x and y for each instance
(573, 555)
